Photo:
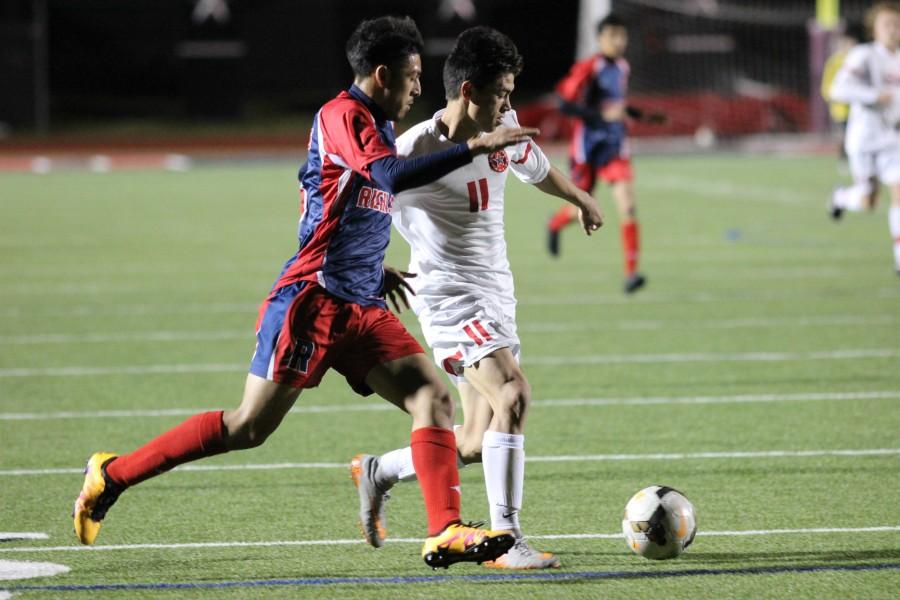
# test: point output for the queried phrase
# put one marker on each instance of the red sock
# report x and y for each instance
(200, 436)
(631, 244)
(561, 218)
(434, 457)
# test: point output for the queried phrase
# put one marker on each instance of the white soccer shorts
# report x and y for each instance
(470, 333)
(883, 165)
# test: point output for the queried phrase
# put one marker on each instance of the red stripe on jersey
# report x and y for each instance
(484, 193)
(481, 330)
(473, 197)
(525, 156)
(472, 335)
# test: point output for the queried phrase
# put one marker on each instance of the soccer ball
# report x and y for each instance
(659, 523)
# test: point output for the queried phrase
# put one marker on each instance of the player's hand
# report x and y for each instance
(590, 215)
(885, 98)
(394, 284)
(501, 138)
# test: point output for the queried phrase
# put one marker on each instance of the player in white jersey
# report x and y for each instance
(464, 287)
(869, 81)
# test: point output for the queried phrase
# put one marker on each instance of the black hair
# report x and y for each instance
(611, 20)
(480, 55)
(382, 41)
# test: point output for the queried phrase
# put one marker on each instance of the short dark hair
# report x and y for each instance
(382, 41)
(480, 55)
(611, 20)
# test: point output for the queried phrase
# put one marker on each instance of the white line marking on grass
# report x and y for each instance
(351, 542)
(583, 359)
(545, 403)
(535, 327)
(6, 536)
(748, 322)
(559, 458)
(611, 359)
(719, 191)
(11, 570)
(135, 336)
(100, 310)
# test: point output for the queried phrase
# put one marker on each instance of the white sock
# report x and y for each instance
(849, 198)
(394, 466)
(894, 224)
(503, 459)
(397, 465)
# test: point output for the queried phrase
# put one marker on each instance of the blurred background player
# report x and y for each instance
(869, 80)
(327, 308)
(595, 91)
(838, 111)
(464, 296)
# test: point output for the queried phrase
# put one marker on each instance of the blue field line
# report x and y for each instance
(498, 577)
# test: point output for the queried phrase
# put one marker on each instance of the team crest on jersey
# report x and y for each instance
(498, 161)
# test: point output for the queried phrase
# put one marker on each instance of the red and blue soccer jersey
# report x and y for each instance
(594, 84)
(345, 224)
(326, 309)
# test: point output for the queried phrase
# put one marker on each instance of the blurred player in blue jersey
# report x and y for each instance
(595, 92)
(327, 309)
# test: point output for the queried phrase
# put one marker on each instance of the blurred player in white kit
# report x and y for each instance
(869, 81)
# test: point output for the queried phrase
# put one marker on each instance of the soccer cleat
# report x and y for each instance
(97, 495)
(633, 283)
(835, 211)
(553, 242)
(523, 556)
(372, 499)
(465, 543)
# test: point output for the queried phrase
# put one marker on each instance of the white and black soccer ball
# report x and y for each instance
(659, 522)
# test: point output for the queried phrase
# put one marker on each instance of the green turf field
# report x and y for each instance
(759, 373)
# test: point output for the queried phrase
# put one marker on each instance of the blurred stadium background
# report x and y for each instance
(210, 74)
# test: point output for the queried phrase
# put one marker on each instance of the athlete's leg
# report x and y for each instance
(262, 408)
(413, 384)
(623, 194)
(477, 416)
(894, 223)
(498, 381)
(498, 378)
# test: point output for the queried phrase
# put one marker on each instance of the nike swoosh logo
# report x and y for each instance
(456, 489)
(509, 514)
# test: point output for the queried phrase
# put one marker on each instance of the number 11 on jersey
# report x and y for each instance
(477, 188)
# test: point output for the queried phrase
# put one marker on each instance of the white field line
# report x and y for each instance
(583, 359)
(536, 459)
(612, 359)
(536, 327)
(537, 404)
(587, 299)
(6, 536)
(350, 542)
(721, 191)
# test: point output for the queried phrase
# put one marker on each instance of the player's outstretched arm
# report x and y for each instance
(557, 184)
(500, 138)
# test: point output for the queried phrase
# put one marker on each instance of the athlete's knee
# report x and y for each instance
(515, 399)
(432, 400)
(245, 432)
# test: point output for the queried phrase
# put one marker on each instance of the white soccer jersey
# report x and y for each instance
(868, 70)
(454, 227)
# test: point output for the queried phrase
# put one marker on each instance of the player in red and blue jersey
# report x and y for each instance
(327, 309)
(595, 92)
